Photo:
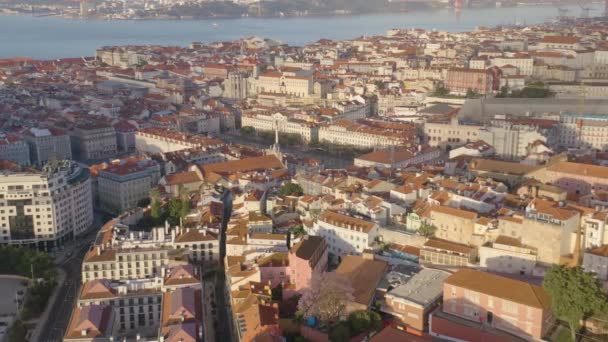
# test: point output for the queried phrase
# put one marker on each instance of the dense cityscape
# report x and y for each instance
(417, 185)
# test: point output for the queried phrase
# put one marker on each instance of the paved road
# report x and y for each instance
(61, 309)
(222, 330)
(58, 320)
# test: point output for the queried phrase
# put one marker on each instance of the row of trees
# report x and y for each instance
(290, 139)
(340, 150)
(24, 261)
(532, 90)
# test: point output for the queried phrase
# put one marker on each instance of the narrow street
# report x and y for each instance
(61, 309)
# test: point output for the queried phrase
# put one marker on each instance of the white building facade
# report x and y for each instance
(45, 209)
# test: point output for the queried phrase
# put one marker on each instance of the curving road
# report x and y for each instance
(61, 309)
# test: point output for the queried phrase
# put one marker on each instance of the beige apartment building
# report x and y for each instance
(547, 227)
(524, 65)
(449, 135)
(134, 255)
(157, 140)
(454, 225)
(295, 83)
(343, 132)
(345, 234)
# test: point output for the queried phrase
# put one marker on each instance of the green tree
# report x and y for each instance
(504, 91)
(37, 297)
(427, 230)
(292, 139)
(375, 320)
(359, 321)
(575, 295)
(298, 230)
(363, 320)
(441, 90)
(340, 332)
(155, 204)
(471, 94)
(291, 189)
(17, 332)
(175, 210)
(21, 261)
(185, 207)
(144, 202)
(155, 210)
(247, 130)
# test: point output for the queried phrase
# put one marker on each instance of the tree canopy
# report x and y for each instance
(298, 230)
(575, 295)
(440, 90)
(21, 261)
(427, 230)
(362, 320)
(340, 332)
(247, 130)
(291, 189)
(327, 297)
(471, 94)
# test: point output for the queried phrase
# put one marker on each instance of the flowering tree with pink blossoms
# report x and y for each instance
(327, 297)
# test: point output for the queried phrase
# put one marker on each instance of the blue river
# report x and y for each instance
(55, 37)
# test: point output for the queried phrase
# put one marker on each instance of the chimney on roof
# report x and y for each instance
(98, 249)
(84, 332)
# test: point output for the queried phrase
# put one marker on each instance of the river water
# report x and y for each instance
(55, 37)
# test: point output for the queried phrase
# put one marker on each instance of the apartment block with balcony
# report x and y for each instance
(45, 208)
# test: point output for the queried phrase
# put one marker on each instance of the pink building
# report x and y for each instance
(493, 303)
(297, 266)
(274, 269)
(576, 178)
(305, 258)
